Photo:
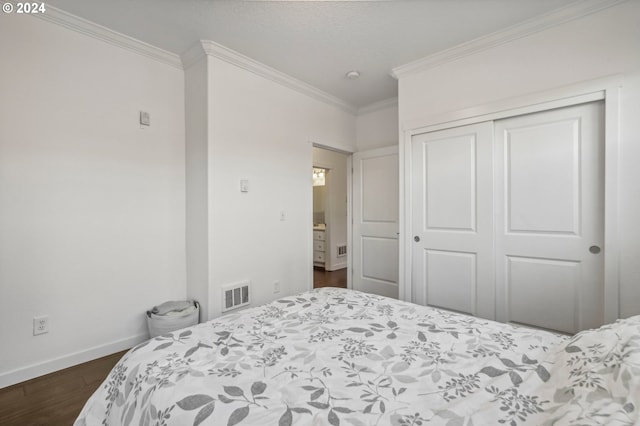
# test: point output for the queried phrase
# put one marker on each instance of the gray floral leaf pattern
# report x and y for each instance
(192, 402)
(340, 357)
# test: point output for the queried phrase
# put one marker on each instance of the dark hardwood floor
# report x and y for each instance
(54, 399)
(323, 278)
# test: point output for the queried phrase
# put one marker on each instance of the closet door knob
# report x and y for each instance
(594, 249)
(416, 239)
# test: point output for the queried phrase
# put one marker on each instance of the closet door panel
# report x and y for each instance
(549, 218)
(543, 178)
(450, 183)
(543, 292)
(447, 271)
(452, 253)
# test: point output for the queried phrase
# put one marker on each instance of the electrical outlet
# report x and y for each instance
(40, 325)
(276, 286)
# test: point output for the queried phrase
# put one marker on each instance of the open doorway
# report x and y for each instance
(330, 212)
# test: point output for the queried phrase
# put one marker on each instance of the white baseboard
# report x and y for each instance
(36, 370)
(336, 266)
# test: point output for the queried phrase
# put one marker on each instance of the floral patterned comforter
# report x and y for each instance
(340, 357)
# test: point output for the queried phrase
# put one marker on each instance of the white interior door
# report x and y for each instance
(549, 218)
(375, 221)
(452, 220)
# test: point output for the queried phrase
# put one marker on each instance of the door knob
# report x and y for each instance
(416, 239)
(594, 249)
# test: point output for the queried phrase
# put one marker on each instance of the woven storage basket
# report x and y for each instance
(163, 324)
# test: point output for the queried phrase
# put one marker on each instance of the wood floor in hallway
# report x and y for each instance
(323, 278)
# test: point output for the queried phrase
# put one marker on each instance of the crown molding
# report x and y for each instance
(213, 49)
(193, 55)
(568, 13)
(107, 35)
(377, 106)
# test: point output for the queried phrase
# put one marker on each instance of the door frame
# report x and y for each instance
(348, 152)
(607, 90)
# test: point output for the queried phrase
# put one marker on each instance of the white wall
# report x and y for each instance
(197, 183)
(377, 127)
(91, 206)
(592, 47)
(262, 131)
(319, 205)
(336, 204)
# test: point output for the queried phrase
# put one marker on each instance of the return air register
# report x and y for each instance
(235, 295)
(342, 250)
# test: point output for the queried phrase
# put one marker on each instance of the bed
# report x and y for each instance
(341, 357)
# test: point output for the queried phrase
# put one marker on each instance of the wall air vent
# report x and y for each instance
(342, 250)
(235, 295)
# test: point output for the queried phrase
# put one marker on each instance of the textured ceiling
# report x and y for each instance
(316, 41)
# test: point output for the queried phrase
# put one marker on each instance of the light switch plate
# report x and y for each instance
(145, 118)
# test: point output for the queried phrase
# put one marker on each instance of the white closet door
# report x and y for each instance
(375, 221)
(452, 219)
(549, 218)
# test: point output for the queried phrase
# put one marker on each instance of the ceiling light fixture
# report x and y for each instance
(318, 177)
(352, 75)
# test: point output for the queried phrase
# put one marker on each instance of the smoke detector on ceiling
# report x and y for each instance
(352, 75)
